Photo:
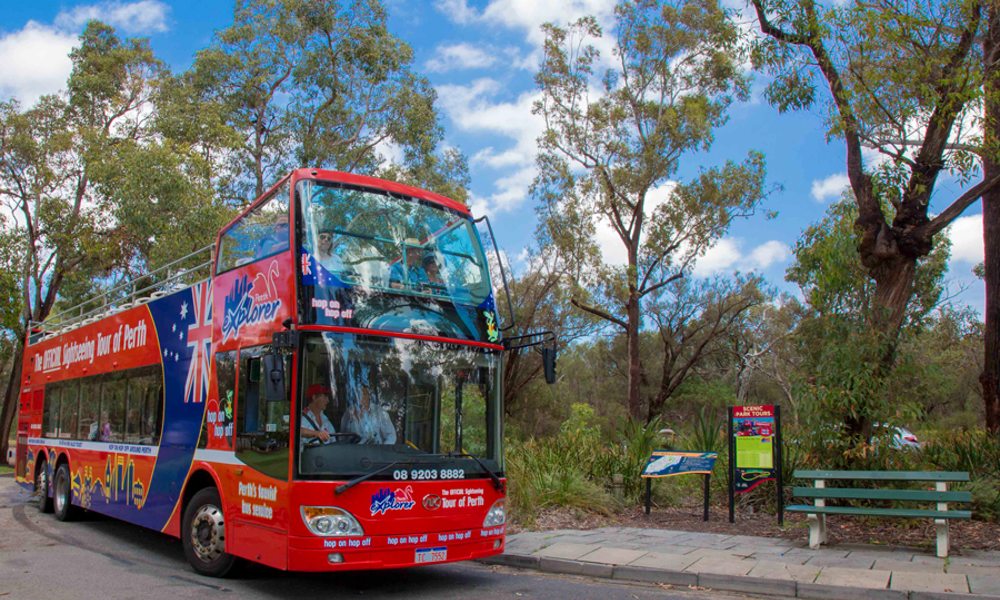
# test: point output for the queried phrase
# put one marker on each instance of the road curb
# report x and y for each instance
(730, 583)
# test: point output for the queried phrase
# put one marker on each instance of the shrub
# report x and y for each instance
(977, 452)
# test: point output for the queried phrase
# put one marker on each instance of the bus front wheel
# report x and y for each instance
(42, 487)
(203, 533)
(62, 494)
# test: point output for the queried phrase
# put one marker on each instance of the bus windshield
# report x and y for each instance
(385, 242)
(382, 400)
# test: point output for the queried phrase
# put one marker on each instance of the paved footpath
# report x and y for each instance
(757, 565)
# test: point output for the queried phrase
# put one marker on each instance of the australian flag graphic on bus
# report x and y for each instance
(183, 323)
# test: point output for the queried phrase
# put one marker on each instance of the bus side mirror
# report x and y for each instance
(273, 367)
(549, 362)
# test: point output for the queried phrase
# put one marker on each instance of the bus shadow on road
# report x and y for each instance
(132, 544)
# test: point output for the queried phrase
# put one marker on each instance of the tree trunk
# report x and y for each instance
(893, 290)
(990, 377)
(10, 397)
(893, 271)
(634, 364)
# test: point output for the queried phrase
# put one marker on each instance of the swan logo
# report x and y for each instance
(251, 303)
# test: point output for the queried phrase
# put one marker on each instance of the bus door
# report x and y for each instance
(260, 499)
(29, 424)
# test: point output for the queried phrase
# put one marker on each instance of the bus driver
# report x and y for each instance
(315, 424)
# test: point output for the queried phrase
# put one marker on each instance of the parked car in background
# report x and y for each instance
(904, 438)
(901, 437)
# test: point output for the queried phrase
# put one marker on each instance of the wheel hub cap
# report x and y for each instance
(208, 535)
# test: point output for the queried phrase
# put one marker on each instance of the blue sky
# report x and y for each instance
(481, 57)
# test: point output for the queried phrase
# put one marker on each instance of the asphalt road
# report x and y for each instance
(99, 558)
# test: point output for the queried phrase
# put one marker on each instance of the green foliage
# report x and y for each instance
(844, 377)
(574, 469)
(977, 452)
(707, 432)
(325, 84)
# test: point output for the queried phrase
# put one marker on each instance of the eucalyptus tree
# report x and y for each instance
(902, 78)
(839, 352)
(321, 83)
(693, 321)
(51, 158)
(92, 188)
(616, 130)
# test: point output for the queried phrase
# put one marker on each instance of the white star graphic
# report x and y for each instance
(174, 328)
(184, 310)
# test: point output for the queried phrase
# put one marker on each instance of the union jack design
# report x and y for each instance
(199, 339)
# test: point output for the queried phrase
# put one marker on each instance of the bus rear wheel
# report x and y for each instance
(203, 533)
(42, 497)
(62, 494)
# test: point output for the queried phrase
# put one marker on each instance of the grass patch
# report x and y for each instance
(6, 470)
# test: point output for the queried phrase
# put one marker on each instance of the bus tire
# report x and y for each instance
(62, 494)
(43, 499)
(203, 533)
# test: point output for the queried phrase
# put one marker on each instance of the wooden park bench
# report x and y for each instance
(820, 493)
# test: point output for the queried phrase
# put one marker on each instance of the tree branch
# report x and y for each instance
(599, 313)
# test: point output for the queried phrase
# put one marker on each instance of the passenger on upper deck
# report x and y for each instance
(432, 270)
(411, 272)
(274, 242)
(324, 252)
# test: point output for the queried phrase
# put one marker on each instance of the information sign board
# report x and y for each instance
(754, 451)
(664, 463)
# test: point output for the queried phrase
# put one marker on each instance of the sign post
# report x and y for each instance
(754, 452)
(664, 463)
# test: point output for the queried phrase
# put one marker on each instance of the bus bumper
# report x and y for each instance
(391, 552)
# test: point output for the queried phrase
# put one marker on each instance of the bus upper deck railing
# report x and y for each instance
(159, 282)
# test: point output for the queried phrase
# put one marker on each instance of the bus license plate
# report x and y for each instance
(429, 555)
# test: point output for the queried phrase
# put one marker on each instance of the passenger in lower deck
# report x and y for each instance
(368, 420)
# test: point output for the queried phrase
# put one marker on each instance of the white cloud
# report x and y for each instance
(727, 255)
(966, 235)
(830, 188)
(144, 16)
(720, 257)
(767, 254)
(472, 108)
(460, 56)
(527, 16)
(457, 10)
(34, 61)
(390, 151)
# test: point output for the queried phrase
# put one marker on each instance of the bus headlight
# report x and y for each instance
(496, 516)
(330, 521)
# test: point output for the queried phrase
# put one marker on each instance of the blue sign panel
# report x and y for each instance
(663, 463)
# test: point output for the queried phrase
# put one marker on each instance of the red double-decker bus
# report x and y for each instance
(328, 398)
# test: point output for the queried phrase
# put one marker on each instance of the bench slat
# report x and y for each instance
(885, 475)
(882, 494)
(881, 512)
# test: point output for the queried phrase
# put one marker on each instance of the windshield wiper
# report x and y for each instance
(497, 482)
(340, 489)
